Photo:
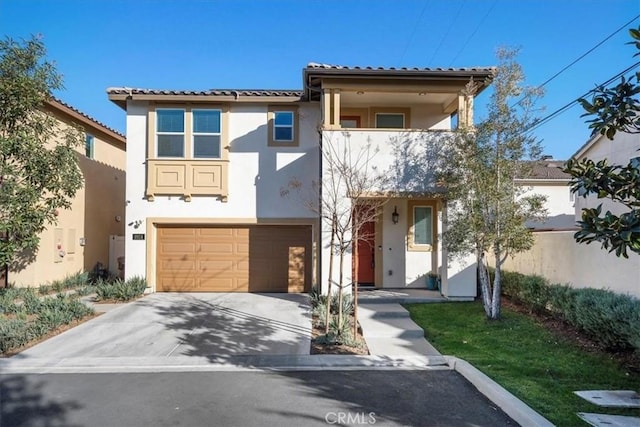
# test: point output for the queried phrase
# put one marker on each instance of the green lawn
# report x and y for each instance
(521, 355)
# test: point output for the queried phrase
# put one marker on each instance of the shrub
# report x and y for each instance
(316, 297)
(319, 302)
(13, 333)
(609, 319)
(30, 302)
(85, 290)
(120, 290)
(338, 335)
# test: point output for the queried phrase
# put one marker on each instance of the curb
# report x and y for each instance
(511, 405)
(19, 365)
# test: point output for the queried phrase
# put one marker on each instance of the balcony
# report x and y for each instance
(406, 159)
(187, 178)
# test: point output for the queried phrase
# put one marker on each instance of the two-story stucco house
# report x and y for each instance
(206, 169)
(82, 235)
(546, 178)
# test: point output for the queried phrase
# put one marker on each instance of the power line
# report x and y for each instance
(473, 33)
(581, 57)
(564, 108)
(447, 33)
(413, 33)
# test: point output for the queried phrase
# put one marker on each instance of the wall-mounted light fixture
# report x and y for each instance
(395, 216)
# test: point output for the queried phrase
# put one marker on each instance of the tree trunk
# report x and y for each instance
(340, 287)
(329, 293)
(497, 282)
(355, 285)
(485, 284)
(4, 276)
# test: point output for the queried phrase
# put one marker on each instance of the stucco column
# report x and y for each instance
(336, 107)
(444, 273)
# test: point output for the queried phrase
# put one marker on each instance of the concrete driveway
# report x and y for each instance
(200, 325)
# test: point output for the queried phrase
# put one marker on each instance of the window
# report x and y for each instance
(283, 126)
(422, 219)
(350, 122)
(206, 133)
(170, 133)
(390, 120)
(422, 222)
(88, 146)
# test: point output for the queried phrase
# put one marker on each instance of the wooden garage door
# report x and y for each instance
(234, 259)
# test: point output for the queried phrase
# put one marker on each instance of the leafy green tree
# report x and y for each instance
(487, 209)
(39, 173)
(613, 109)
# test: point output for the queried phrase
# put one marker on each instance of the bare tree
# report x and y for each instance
(348, 195)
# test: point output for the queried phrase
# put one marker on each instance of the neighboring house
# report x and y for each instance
(547, 179)
(82, 236)
(206, 172)
(558, 257)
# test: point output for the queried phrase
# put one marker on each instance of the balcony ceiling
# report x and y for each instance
(369, 98)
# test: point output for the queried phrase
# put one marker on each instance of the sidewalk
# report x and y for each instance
(390, 333)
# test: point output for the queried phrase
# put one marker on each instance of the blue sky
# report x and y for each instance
(203, 44)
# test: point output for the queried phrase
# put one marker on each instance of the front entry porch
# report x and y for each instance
(398, 246)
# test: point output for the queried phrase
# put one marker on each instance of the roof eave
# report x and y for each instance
(121, 99)
(83, 119)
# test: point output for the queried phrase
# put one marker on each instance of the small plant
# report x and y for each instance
(13, 333)
(57, 286)
(316, 297)
(120, 290)
(45, 289)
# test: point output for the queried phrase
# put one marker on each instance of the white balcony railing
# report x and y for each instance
(407, 159)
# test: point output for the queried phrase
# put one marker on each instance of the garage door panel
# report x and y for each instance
(177, 265)
(169, 248)
(234, 258)
(177, 232)
(176, 283)
(215, 248)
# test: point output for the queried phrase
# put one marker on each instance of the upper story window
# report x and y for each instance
(350, 122)
(390, 120)
(89, 142)
(283, 126)
(170, 132)
(206, 133)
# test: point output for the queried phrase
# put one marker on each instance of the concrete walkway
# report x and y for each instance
(390, 333)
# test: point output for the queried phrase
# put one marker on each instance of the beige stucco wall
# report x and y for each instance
(92, 216)
(557, 257)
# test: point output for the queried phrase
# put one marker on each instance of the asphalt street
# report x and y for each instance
(246, 398)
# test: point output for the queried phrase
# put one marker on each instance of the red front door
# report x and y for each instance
(366, 253)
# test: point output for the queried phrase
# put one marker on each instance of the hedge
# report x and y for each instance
(610, 319)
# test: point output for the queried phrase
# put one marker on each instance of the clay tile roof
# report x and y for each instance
(56, 103)
(210, 92)
(318, 66)
(548, 170)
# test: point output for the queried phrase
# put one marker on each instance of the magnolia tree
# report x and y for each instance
(487, 209)
(613, 109)
(39, 173)
(346, 198)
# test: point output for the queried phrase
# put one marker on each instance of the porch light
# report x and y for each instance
(395, 216)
